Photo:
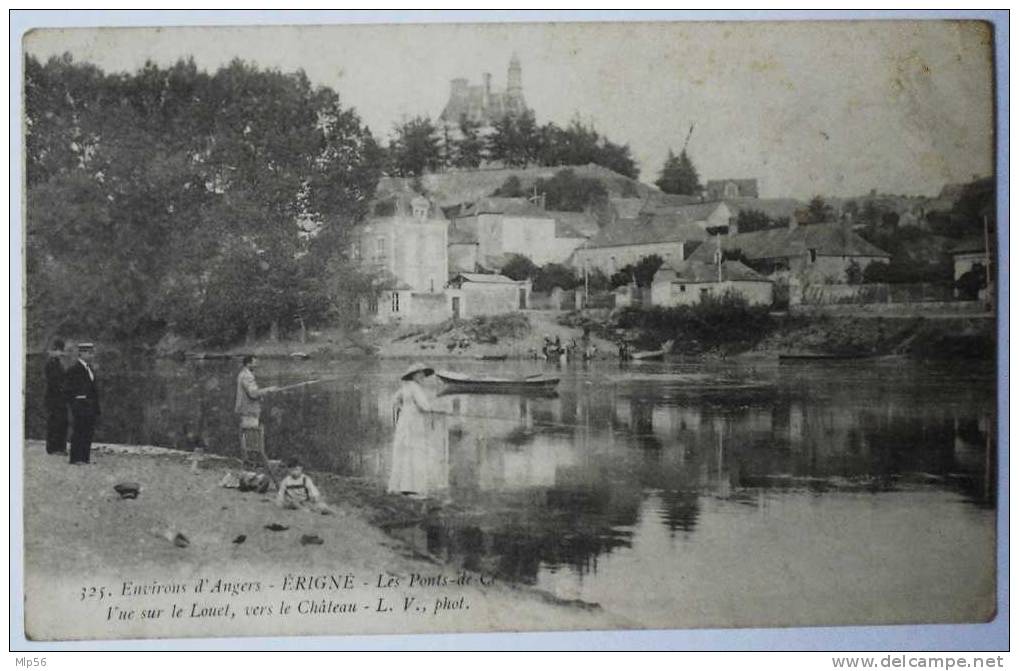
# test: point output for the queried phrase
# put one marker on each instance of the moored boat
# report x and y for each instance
(490, 384)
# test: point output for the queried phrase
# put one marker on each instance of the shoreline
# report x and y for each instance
(77, 528)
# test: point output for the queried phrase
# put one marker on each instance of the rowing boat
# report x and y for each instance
(487, 384)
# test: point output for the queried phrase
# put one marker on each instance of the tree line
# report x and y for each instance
(175, 200)
(419, 145)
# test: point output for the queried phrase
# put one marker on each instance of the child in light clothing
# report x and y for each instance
(298, 492)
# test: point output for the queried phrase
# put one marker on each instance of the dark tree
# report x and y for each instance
(566, 191)
(819, 212)
(554, 275)
(579, 145)
(642, 273)
(415, 148)
(679, 176)
(519, 267)
(854, 274)
(748, 221)
(469, 148)
(514, 140)
(511, 188)
(172, 199)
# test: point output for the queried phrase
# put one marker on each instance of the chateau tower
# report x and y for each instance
(483, 103)
(514, 78)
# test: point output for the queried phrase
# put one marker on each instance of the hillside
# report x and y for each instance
(455, 187)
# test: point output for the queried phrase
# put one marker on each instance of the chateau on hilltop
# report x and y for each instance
(479, 103)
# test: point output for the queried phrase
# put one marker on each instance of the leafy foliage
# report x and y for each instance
(519, 267)
(819, 211)
(567, 192)
(553, 275)
(748, 221)
(415, 148)
(469, 149)
(727, 321)
(642, 272)
(679, 175)
(176, 199)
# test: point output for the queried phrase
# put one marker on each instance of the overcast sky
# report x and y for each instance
(830, 108)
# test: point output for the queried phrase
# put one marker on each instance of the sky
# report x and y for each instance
(832, 108)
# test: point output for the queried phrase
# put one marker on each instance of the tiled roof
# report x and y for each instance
(482, 278)
(826, 239)
(627, 208)
(648, 229)
(698, 272)
(690, 211)
(775, 208)
(515, 207)
(968, 245)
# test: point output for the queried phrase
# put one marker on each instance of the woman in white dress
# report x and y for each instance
(416, 461)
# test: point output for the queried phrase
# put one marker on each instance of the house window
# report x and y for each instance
(355, 251)
(431, 285)
(380, 248)
(396, 301)
(682, 287)
(373, 305)
(813, 255)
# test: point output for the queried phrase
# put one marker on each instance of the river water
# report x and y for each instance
(670, 494)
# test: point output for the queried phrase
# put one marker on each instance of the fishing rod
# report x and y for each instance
(304, 384)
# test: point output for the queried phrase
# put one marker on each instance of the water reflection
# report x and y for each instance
(539, 485)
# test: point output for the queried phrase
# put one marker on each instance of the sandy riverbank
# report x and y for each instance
(79, 534)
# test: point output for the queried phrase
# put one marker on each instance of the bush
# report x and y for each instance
(726, 321)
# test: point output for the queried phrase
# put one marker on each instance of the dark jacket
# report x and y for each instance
(81, 391)
(55, 395)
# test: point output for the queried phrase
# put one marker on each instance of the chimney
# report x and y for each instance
(488, 83)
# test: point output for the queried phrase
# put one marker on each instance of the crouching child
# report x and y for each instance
(298, 492)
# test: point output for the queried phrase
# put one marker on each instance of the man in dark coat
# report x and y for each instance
(56, 401)
(83, 397)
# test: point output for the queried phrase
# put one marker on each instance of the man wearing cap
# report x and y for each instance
(56, 401)
(82, 395)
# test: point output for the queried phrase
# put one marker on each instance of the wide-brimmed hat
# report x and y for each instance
(417, 368)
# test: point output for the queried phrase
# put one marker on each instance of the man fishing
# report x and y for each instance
(249, 407)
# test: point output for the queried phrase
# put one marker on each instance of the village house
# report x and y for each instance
(717, 189)
(713, 217)
(628, 241)
(405, 243)
(475, 294)
(970, 253)
(688, 282)
(463, 251)
(816, 253)
(504, 226)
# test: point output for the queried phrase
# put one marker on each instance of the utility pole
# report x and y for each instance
(987, 263)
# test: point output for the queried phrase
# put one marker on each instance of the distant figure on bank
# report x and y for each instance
(248, 407)
(298, 492)
(82, 394)
(56, 400)
(411, 409)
